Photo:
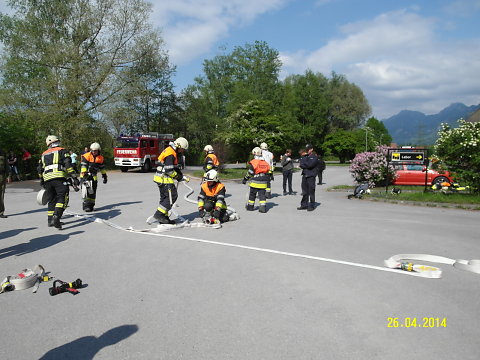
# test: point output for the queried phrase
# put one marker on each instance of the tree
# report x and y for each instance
(348, 107)
(379, 132)
(345, 144)
(68, 60)
(459, 150)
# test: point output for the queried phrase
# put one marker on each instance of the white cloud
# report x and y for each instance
(191, 27)
(399, 63)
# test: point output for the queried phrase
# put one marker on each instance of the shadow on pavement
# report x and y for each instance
(85, 348)
(14, 232)
(35, 244)
(111, 206)
(29, 212)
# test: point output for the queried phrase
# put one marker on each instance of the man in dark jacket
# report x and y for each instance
(3, 181)
(321, 167)
(287, 171)
(309, 166)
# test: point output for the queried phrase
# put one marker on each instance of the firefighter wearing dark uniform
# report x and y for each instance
(167, 172)
(211, 161)
(211, 200)
(54, 167)
(258, 172)
(309, 166)
(91, 163)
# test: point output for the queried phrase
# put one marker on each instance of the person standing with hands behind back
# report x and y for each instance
(309, 166)
(287, 171)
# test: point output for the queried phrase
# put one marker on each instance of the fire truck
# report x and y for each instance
(141, 150)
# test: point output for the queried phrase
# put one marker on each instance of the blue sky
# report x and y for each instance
(418, 55)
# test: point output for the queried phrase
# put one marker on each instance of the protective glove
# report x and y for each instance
(42, 182)
(216, 214)
(105, 179)
(76, 182)
(201, 212)
(244, 181)
(271, 176)
(83, 175)
(185, 178)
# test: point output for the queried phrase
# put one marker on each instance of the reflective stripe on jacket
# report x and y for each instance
(55, 163)
(167, 171)
(215, 193)
(211, 162)
(259, 170)
(92, 164)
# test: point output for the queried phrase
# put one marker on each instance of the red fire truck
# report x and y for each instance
(141, 150)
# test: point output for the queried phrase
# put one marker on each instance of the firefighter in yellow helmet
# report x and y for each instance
(258, 172)
(54, 167)
(167, 172)
(92, 162)
(211, 200)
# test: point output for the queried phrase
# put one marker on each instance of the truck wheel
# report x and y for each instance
(123, 168)
(147, 166)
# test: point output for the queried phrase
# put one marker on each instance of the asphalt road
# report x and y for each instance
(175, 297)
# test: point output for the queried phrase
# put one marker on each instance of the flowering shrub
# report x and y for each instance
(371, 167)
(459, 150)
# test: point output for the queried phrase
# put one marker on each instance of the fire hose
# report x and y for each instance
(24, 280)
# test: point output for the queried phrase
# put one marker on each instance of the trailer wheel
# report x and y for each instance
(123, 168)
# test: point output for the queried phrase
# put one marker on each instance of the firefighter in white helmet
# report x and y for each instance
(91, 163)
(54, 167)
(167, 172)
(211, 160)
(268, 157)
(258, 172)
(211, 200)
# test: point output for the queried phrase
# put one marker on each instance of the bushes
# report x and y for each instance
(371, 167)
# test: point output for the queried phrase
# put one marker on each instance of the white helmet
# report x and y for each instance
(181, 143)
(51, 139)
(264, 146)
(211, 175)
(257, 151)
(95, 146)
(208, 148)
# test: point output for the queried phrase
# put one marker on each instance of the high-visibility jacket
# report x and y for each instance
(211, 162)
(215, 194)
(92, 164)
(168, 170)
(259, 172)
(55, 163)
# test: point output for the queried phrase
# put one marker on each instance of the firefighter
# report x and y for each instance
(92, 162)
(211, 161)
(259, 171)
(53, 169)
(268, 157)
(167, 172)
(211, 200)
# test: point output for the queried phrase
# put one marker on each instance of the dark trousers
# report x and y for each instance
(320, 177)
(168, 196)
(262, 197)
(2, 195)
(287, 176)
(308, 191)
(59, 201)
(89, 201)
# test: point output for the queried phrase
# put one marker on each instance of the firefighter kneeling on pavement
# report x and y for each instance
(53, 169)
(259, 172)
(211, 200)
(91, 163)
(167, 172)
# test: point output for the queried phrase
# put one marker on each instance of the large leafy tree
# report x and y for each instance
(348, 107)
(345, 143)
(66, 61)
(379, 132)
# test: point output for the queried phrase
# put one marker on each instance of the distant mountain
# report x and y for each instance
(415, 128)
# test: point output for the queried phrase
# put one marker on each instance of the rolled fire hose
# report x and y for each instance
(24, 280)
(401, 262)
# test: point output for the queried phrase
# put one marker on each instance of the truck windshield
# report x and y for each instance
(127, 144)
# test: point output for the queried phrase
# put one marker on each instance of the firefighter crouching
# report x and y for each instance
(211, 161)
(259, 173)
(167, 172)
(92, 162)
(211, 200)
(54, 167)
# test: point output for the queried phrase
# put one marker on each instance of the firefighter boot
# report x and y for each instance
(249, 207)
(50, 221)
(262, 208)
(56, 222)
(162, 218)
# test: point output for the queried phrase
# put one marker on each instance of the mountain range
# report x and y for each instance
(415, 128)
